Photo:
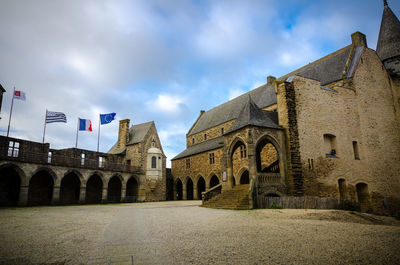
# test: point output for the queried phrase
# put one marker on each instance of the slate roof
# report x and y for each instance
(136, 135)
(253, 115)
(263, 96)
(202, 147)
(389, 35)
(328, 69)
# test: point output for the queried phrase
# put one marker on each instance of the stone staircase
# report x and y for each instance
(234, 199)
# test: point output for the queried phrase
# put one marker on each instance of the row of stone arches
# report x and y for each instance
(42, 188)
(192, 191)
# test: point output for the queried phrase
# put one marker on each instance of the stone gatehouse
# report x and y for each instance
(133, 170)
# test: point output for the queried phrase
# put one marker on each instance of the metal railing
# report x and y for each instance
(66, 161)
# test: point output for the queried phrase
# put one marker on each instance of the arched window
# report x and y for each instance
(153, 162)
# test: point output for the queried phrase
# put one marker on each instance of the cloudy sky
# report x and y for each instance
(157, 60)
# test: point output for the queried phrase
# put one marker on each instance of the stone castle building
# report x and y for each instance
(330, 129)
(133, 170)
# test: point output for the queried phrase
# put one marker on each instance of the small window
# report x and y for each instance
(193, 140)
(188, 163)
(13, 149)
(128, 162)
(243, 152)
(101, 161)
(49, 157)
(212, 160)
(222, 130)
(310, 164)
(153, 162)
(205, 136)
(356, 152)
(330, 145)
(82, 159)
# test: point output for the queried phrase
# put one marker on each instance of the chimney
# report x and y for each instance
(202, 112)
(270, 80)
(123, 133)
(359, 39)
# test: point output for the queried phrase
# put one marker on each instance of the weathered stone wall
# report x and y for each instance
(363, 111)
(199, 166)
(211, 133)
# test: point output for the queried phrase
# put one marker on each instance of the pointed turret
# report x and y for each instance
(388, 46)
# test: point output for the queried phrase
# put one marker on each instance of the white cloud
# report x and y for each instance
(167, 103)
(233, 93)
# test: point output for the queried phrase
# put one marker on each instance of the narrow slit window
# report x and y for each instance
(49, 155)
(356, 151)
(222, 130)
(188, 163)
(212, 160)
(82, 159)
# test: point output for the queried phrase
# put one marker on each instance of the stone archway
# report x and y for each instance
(94, 189)
(189, 189)
(214, 181)
(132, 190)
(201, 187)
(70, 189)
(10, 182)
(244, 178)
(267, 156)
(179, 190)
(114, 190)
(238, 158)
(40, 190)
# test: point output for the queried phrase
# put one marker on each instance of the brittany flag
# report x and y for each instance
(85, 125)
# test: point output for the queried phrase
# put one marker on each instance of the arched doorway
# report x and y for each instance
(363, 196)
(201, 187)
(70, 189)
(132, 189)
(267, 157)
(114, 189)
(94, 189)
(179, 190)
(342, 189)
(239, 159)
(244, 178)
(10, 182)
(40, 188)
(189, 189)
(214, 181)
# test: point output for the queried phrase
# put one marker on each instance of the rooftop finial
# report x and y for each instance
(385, 3)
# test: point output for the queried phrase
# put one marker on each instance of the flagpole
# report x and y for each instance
(98, 136)
(44, 127)
(9, 120)
(77, 130)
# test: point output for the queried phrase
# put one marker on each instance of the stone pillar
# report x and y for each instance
(207, 185)
(56, 195)
(82, 195)
(195, 197)
(184, 193)
(104, 195)
(23, 195)
(123, 194)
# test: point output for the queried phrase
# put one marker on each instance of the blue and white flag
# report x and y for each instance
(53, 116)
(107, 118)
(85, 125)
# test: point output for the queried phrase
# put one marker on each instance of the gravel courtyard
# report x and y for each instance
(184, 233)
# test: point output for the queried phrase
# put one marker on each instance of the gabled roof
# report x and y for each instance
(328, 69)
(263, 96)
(136, 135)
(251, 114)
(389, 35)
(201, 147)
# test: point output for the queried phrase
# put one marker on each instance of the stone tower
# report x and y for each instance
(388, 46)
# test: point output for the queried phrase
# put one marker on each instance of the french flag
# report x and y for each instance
(85, 125)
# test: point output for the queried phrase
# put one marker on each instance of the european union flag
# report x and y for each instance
(107, 118)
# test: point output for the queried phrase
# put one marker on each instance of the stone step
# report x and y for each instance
(236, 199)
